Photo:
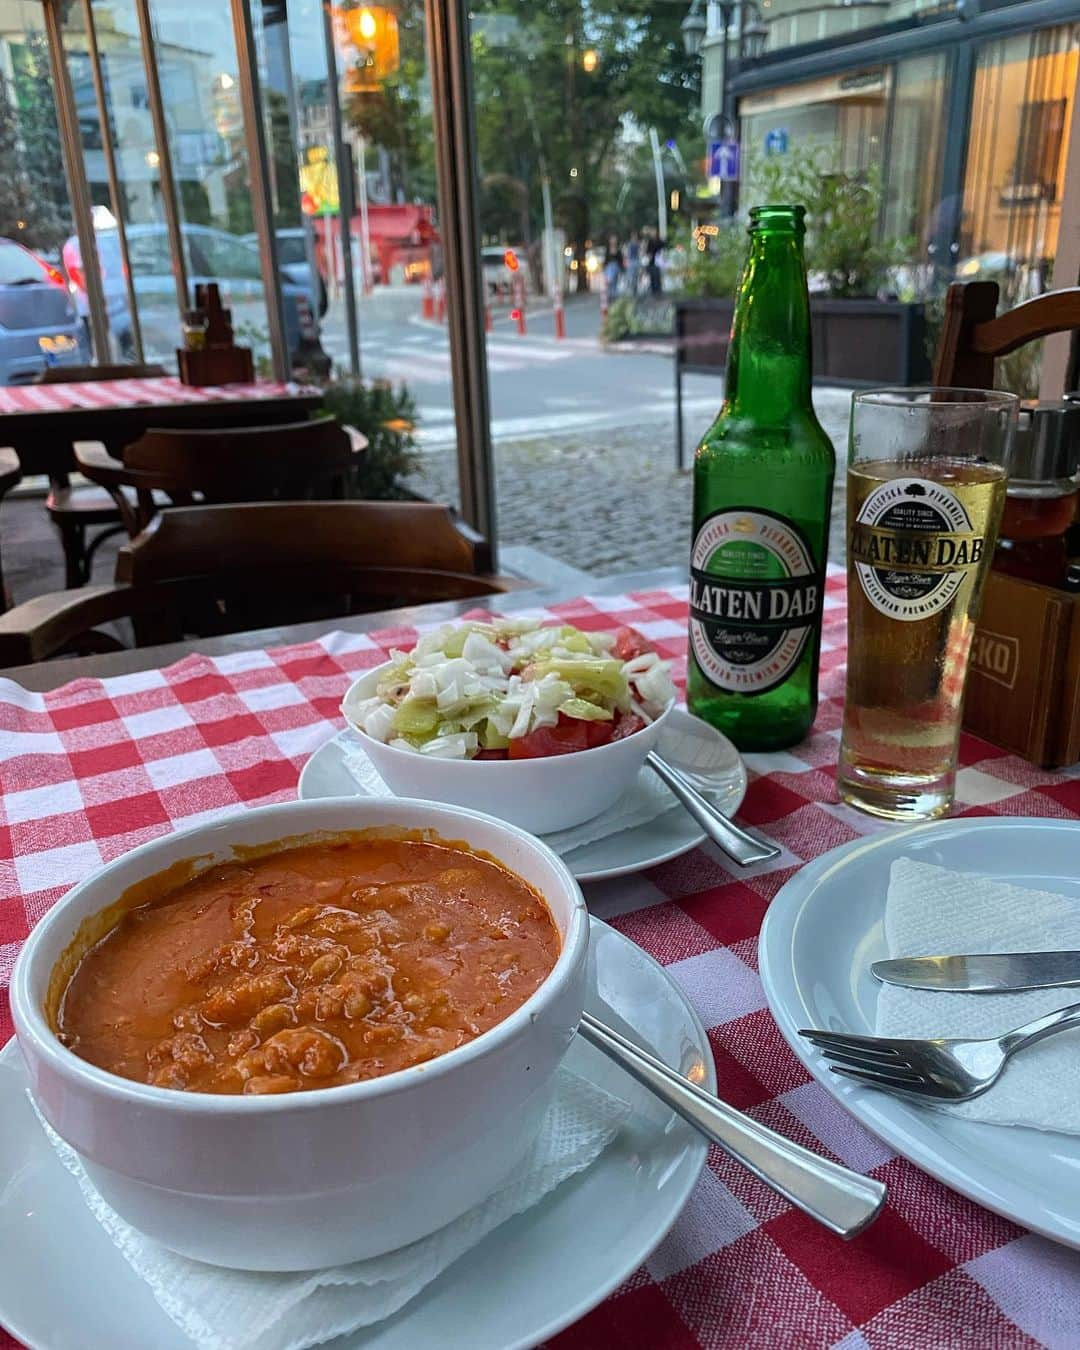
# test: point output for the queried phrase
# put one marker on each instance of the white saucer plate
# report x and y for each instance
(64, 1286)
(707, 757)
(821, 934)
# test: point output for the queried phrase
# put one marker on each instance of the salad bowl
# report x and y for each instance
(540, 795)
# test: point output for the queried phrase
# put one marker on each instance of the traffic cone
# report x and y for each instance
(440, 304)
(427, 307)
(560, 316)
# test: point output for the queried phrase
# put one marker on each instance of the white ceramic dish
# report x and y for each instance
(540, 795)
(320, 1177)
(64, 1286)
(821, 934)
(692, 745)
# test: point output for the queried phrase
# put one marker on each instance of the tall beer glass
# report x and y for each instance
(925, 491)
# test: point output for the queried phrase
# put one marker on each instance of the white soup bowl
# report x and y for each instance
(324, 1176)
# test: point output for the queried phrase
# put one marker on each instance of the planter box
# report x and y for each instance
(856, 344)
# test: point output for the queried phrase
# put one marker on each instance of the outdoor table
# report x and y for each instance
(42, 421)
(135, 743)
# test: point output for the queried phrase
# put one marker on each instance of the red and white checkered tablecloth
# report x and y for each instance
(92, 769)
(105, 394)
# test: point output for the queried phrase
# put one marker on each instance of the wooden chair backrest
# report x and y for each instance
(229, 568)
(229, 464)
(304, 539)
(80, 374)
(974, 335)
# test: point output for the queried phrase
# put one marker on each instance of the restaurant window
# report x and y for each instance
(843, 116)
(1008, 230)
(388, 212)
(913, 153)
(139, 183)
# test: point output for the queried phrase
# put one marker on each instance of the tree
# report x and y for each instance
(574, 84)
(564, 85)
(33, 190)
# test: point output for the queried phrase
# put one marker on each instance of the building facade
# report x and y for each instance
(965, 108)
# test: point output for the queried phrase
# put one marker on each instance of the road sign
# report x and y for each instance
(724, 160)
(776, 141)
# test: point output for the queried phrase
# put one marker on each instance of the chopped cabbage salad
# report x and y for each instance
(513, 690)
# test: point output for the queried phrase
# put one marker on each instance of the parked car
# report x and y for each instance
(39, 323)
(497, 274)
(212, 255)
(292, 251)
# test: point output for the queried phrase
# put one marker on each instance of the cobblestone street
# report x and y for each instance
(610, 500)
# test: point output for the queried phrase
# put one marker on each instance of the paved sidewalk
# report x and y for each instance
(610, 499)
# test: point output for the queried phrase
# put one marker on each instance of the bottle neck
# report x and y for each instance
(768, 365)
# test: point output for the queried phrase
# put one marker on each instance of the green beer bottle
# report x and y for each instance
(763, 477)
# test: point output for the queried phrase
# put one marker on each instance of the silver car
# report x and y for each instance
(39, 324)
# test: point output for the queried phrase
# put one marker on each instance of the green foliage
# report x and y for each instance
(33, 195)
(713, 272)
(631, 316)
(843, 248)
(387, 417)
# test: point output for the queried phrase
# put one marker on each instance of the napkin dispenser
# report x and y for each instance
(1023, 689)
(214, 358)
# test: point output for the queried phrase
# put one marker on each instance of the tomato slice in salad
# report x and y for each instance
(627, 724)
(630, 643)
(567, 735)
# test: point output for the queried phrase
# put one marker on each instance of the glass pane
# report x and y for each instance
(197, 64)
(914, 150)
(138, 172)
(1024, 87)
(842, 116)
(393, 230)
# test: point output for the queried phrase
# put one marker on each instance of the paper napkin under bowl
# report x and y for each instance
(932, 911)
(255, 1310)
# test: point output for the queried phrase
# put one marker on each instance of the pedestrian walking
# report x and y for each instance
(633, 263)
(654, 254)
(613, 266)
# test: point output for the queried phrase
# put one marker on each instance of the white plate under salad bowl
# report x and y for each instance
(707, 757)
(64, 1286)
(820, 935)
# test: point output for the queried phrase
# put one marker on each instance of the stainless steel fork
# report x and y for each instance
(948, 1070)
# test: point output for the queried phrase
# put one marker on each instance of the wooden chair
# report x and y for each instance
(197, 571)
(10, 473)
(974, 335)
(290, 461)
(79, 374)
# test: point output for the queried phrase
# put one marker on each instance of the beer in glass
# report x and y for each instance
(926, 483)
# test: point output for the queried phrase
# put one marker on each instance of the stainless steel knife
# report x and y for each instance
(982, 974)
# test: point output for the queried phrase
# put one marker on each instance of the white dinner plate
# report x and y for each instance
(706, 756)
(821, 934)
(64, 1286)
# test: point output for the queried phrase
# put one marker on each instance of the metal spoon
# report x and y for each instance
(734, 840)
(842, 1200)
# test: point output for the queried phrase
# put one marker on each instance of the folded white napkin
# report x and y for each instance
(235, 1309)
(932, 911)
(646, 799)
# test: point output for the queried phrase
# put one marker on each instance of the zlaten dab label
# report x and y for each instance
(755, 599)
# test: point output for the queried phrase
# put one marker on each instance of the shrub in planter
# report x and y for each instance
(387, 417)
